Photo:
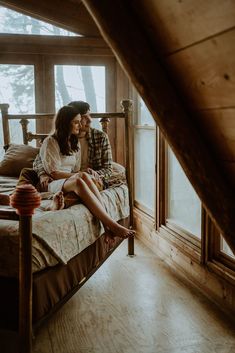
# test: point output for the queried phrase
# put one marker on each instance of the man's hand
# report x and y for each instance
(44, 181)
(93, 173)
(96, 178)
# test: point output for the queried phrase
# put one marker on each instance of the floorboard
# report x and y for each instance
(137, 305)
(134, 305)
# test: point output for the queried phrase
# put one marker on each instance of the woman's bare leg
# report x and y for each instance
(90, 200)
(90, 183)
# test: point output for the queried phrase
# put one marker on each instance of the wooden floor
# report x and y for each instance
(136, 305)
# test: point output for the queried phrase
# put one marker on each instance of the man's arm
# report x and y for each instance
(106, 158)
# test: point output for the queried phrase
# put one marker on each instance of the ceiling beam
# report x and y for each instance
(69, 14)
(126, 34)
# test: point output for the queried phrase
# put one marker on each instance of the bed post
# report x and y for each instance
(25, 199)
(5, 124)
(105, 124)
(24, 123)
(127, 108)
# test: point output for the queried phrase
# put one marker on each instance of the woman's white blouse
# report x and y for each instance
(53, 160)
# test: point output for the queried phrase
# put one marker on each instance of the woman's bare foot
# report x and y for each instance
(57, 202)
(4, 200)
(118, 231)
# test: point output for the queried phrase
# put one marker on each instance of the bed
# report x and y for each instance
(46, 257)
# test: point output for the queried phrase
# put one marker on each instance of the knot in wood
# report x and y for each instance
(25, 199)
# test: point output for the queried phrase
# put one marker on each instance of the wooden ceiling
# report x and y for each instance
(180, 55)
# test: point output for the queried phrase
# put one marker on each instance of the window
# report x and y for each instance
(145, 159)
(225, 248)
(17, 89)
(184, 206)
(75, 82)
(17, 23)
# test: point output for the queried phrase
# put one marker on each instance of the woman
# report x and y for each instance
(61, 158)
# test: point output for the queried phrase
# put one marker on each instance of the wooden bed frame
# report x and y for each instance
(26, 199)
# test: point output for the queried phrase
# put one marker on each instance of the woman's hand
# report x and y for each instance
(44, 181)
(94, 176)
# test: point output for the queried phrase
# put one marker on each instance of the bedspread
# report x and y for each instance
(59, 235)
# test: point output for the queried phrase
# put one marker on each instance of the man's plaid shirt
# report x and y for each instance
(99, 154)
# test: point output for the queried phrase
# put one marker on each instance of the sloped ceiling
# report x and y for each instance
(69, 14)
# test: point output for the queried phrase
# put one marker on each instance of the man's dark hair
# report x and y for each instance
(80, 107)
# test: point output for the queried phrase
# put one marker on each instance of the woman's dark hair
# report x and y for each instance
(68, 143)
(80, 107)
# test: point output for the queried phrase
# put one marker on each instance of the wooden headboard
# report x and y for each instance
(28, 136)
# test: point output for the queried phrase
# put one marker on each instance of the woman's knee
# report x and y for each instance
(80, 183)
(87, 178)
(71, 185)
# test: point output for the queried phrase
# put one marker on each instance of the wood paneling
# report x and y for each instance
(68, 14)
(173, 24)
(206, 72)
(219, 126)
(229, 167)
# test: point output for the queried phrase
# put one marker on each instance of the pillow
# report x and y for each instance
(16, 158)
(118, 176)
(118, 169)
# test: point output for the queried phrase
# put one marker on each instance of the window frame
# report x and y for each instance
(216, 255)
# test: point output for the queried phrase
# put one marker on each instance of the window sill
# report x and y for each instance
(222, 271)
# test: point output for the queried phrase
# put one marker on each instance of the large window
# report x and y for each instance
(145, 159)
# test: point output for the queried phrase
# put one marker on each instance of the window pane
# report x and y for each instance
(184, 206)
(226, 249)
(15, 22)
(144, 116)
(87, 83)
(17, 89)
(145, 146)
